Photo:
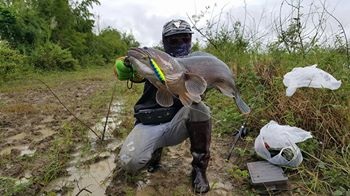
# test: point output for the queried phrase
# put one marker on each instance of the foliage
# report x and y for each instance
(130, 40)
(323, 112)
(237, 173)
(195, 46)
(52, 57)
(11, 61)
(62, 30)
(259, 76)
(12, 186)
(111, 43)
(21, 27)
(93, 60)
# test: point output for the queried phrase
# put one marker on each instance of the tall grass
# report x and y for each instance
(325, 113)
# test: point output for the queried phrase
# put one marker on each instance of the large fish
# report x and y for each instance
(186, 77)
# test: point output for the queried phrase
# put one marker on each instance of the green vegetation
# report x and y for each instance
(10, 61)
(54, 35)
(323, 112)
(260, 70)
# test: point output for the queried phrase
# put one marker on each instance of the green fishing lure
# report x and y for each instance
(159, 73)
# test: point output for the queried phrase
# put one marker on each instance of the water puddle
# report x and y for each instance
(95, 176)
(92, 177)
(16, 142)
(27, 151)
(91, 171)
(113, 122)
(23, 149)
(44, 133)
(13, 140)
(17, 137)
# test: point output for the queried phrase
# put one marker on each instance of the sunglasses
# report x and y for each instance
(178, 40)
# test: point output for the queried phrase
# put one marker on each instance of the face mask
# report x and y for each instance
(179, 50)
(177, 45)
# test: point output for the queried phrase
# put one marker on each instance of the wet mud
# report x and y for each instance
(29, 122)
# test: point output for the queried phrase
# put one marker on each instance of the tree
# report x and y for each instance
(21, 27)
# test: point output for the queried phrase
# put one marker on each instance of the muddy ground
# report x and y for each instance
(33, 122)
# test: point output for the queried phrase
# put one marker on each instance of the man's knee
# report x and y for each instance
(138, 147)
(133, 162)
(199, 112)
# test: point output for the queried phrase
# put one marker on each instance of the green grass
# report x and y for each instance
(325, 113)
(54, 78)
(12, 187)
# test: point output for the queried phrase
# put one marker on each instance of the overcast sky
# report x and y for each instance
(145, 18)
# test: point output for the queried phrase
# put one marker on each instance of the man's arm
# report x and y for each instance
(123, 70)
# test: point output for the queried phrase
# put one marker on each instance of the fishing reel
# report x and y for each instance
(243, 131)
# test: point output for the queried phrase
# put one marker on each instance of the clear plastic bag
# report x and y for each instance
(276, 144)
(309, 76)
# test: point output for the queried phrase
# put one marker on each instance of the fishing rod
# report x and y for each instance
(239, 134)
(82, 122)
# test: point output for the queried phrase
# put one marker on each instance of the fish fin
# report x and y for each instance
(173, 77)
(243, 107)
(185, 99)
(195, 84)
(195, 98)
(164, 98)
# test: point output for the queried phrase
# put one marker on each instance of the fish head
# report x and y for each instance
(168, 75)
(139, 60)
(166, 63)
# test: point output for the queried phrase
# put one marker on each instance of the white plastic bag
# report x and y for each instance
(280, 138)
(309, 76)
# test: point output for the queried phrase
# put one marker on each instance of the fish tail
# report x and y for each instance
(243, 107)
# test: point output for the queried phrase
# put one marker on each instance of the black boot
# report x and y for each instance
(200, 136)
(154, 163)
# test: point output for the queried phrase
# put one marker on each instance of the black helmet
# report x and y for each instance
(174, 27)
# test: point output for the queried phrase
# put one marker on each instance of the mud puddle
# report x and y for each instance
(89, 173)
(23, 150)
(20, 143)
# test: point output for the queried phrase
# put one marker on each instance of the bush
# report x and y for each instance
(51, 56)
(110, 43)
(92, 60)
(11, 61)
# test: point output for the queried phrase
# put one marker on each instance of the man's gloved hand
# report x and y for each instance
(123, 70)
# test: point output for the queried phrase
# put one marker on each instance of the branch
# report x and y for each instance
(342, 27)
(83, 189)
(68, 109)
(205, 36)
(281, 28)
(109, 109)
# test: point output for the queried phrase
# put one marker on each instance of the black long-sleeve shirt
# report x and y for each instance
(148, 100)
